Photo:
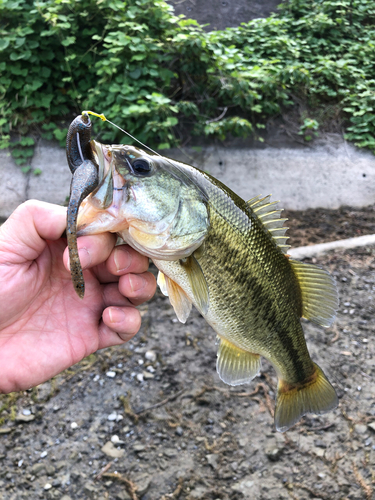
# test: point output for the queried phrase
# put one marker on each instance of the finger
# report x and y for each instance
(138, 287)
(125, 259)
(26, 230)
(119, 325)
(103, 275)
(113, 297)
(93, 249)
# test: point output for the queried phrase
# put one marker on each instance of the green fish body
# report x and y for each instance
(227, 257)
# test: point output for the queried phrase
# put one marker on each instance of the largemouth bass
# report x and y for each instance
(228, 258)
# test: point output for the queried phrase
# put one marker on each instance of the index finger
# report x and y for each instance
(92, 249)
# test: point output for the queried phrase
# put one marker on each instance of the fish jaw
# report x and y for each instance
(92, 220)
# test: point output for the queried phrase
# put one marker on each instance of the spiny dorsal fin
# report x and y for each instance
(265, 210)
(319, 293)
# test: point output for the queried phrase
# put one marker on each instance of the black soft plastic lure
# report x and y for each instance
(85, 179)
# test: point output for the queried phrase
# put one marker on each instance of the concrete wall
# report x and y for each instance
(330, 174)
(220, 14)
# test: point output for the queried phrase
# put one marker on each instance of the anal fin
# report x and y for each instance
(314, 395)
(236, 366)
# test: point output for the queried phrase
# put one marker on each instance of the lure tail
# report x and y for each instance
(314, 395)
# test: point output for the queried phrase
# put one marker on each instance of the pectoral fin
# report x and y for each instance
(197, 282)
(236, 366)
(178, 298)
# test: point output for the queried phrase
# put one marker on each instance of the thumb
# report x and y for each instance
(23, 235)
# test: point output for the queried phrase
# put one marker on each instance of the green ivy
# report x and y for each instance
(161, 77)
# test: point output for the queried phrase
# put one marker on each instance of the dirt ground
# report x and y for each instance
(152, 421)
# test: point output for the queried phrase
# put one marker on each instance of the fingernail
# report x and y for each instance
(136, 282)
(116, 315)
(84, 257)
(122, 258)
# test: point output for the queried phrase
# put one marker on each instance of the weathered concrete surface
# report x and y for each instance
(53, 184)
(12, 184)
(328, 175)
(220, 14)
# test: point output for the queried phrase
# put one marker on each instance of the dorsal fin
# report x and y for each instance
(270, 218)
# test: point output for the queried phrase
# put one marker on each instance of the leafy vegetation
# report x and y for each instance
(163, 78)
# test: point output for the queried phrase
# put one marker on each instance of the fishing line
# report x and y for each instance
(104, 119)
(175, 165)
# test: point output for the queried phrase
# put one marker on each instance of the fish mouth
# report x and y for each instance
(101, 210)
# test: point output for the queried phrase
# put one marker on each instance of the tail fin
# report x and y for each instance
(315, 395)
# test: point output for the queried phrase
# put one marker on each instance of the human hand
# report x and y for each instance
(44, 326)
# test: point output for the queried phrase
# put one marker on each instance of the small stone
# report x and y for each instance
(111, 374)
(179, 431)
(37, 468)
(274, 453)
(5, 430)
(47, 486)
(170, 452)
(139, 377)
(150, 356)
(319, 452)
(371, 426)
(143, 482)
(112, 417)
(243, 486)
(26, 412)
(43, 454)
(20, 462)
(139, 447)
(89, 489)
(50, 469)
(212, 460)
(110, 450)
(20, 418)
(116, 440)
(122, 495)
(147, 375)
(74, 425)
(151, 369)
(320, 444)
(360, 428)
(66, 497)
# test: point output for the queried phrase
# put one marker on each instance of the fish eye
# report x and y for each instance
(141, 167)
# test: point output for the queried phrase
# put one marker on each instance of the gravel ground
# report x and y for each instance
(151, 420)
